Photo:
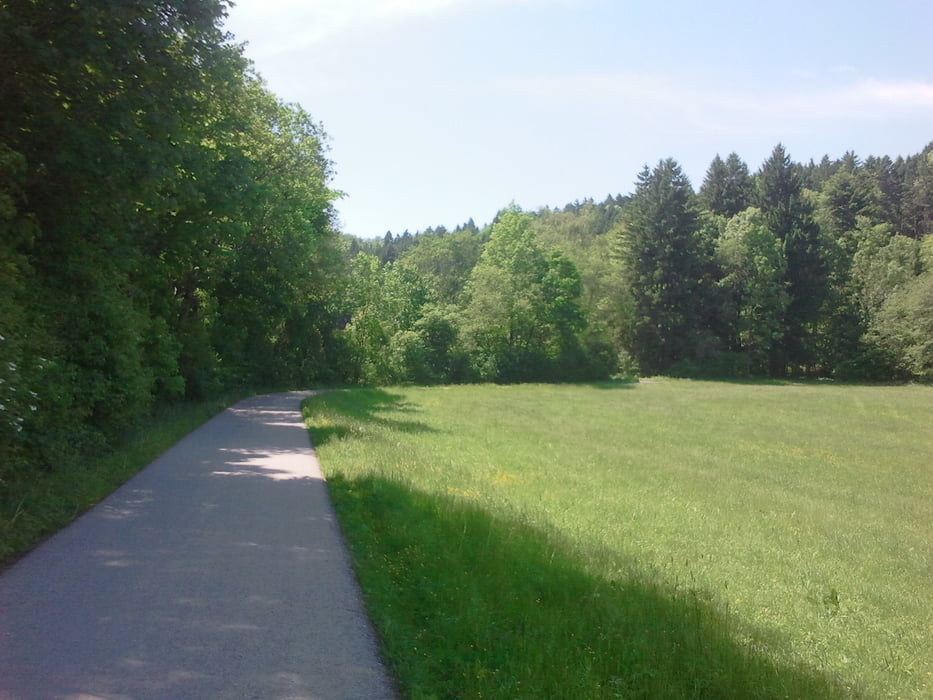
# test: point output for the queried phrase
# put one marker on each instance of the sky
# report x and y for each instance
(438, 111)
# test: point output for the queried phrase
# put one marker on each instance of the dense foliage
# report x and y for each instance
(165, 224)
(817, 270)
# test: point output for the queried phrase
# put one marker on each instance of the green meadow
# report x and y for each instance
(665, 539)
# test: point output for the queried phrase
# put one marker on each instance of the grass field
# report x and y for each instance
(667, 539)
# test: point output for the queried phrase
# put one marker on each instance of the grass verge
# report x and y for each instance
(33, 508)
(675, 539)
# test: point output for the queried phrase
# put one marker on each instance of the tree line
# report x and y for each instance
(167, 232)
(821, 269)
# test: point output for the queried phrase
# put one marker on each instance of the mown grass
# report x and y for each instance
(676, 539)
(40, 503)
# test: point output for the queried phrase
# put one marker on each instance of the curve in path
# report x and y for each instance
(218, 571)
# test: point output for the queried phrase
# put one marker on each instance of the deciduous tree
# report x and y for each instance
(523, 310)
(754, 270)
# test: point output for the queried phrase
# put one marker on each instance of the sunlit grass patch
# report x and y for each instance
(678, 539)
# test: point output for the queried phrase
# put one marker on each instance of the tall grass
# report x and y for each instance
(673, 539)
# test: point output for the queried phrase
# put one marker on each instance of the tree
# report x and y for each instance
(667, 265)
(754, 269)
(789, 215)
(274, 286)
(100, 111)
(386, 335)
(851, 192)
(166, 222)
(883, 264)
(522, 313)
(728, 187)
(445, 262)
(903, 326)
(919, 197)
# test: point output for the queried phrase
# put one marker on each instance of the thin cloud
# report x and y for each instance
(860, 101)
(905, 94)
(286, 25)
(728, 110)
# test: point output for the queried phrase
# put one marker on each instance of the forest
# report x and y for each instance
(168, 232)
(821, 270)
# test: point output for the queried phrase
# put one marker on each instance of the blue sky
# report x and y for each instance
(442, 110)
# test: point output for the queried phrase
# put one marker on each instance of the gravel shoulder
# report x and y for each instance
(218, 571)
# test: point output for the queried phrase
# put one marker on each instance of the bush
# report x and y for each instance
(903, 327)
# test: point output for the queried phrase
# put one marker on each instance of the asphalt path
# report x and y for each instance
(218, 571)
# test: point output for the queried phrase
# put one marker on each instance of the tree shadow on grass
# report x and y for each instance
(471, 605)
(358, 406)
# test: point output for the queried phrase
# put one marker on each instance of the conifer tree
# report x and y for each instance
(667, 263)
(789, 216)
(727, 188)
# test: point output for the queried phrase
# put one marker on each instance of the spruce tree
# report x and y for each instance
(790, 217)
(727, 188)
(666, 262)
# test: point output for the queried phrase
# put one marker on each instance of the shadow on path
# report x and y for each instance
(217, 572)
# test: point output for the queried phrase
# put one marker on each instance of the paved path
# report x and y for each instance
(217, 572)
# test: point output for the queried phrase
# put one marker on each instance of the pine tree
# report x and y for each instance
(666, 262)
(790, 217)
(727, 188)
